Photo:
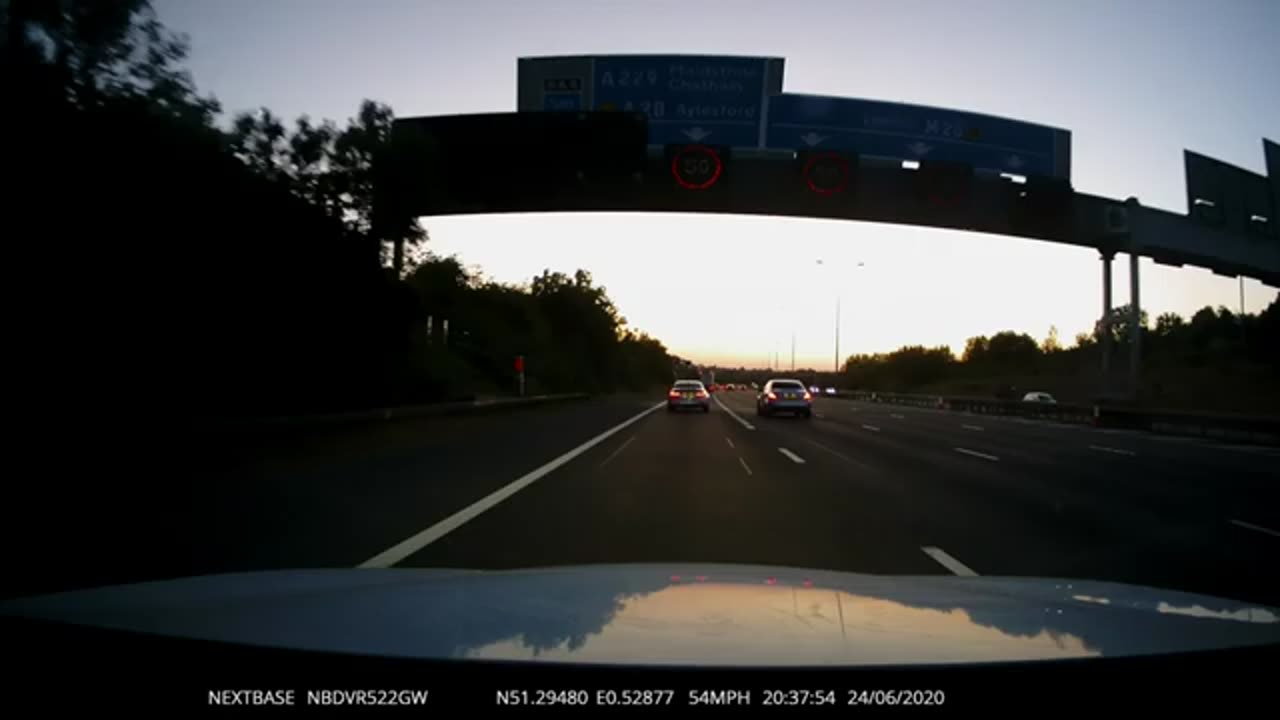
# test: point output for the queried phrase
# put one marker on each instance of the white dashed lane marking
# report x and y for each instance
(1113, 451)
(794, 457)
(977, 454)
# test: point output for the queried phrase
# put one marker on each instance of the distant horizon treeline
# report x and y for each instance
(171, 268)
(1216, 359)
(1210, 345)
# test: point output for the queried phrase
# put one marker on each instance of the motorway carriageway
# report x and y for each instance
(860, 487)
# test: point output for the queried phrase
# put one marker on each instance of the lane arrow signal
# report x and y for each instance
(919, 148)
(697, 134)
(812, 138)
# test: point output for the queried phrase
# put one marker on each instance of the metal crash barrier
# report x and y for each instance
(1221, 426)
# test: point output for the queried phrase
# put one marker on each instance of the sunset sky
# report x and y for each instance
(1135, 82)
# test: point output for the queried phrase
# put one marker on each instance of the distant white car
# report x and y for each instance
(831, 391)
(1039, 397)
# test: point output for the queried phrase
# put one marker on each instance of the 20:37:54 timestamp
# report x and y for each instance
(798, 698)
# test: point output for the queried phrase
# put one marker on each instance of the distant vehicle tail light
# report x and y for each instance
(807, 396)
(673, 394)
(771, 395)
(702, 393)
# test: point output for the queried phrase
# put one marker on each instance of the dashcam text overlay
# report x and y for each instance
(324, 698)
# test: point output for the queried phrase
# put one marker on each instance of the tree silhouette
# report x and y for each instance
(332, 169)
(357, 149)
(1121, 325)
(1213, 339)
(567, 329)
(260, 141)
(1051, 343)
(100, 53)
(1169, 324)
(975, 350)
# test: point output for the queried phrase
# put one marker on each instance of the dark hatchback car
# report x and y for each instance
(784, 396)
(688, 395)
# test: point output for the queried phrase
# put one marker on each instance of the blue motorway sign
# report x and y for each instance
(689, 98)
(917, 132)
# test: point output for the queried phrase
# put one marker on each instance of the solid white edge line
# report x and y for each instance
(794, 457)
(975, 453)
(615, 453)
(948, 562)
(413, 544)
(1259, 528)
(734, 415)
(744, 465)
(872, 428)
(729, 441)
(972, 427)
(1115, 451)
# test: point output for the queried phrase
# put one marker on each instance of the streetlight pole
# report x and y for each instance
(837, 368)
(1242, 309)
(837, 343)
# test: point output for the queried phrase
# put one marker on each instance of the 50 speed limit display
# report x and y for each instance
(696, 167)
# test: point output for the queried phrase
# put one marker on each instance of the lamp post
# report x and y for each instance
(837, 338)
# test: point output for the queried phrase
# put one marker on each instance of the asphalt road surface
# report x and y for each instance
(860, 487)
